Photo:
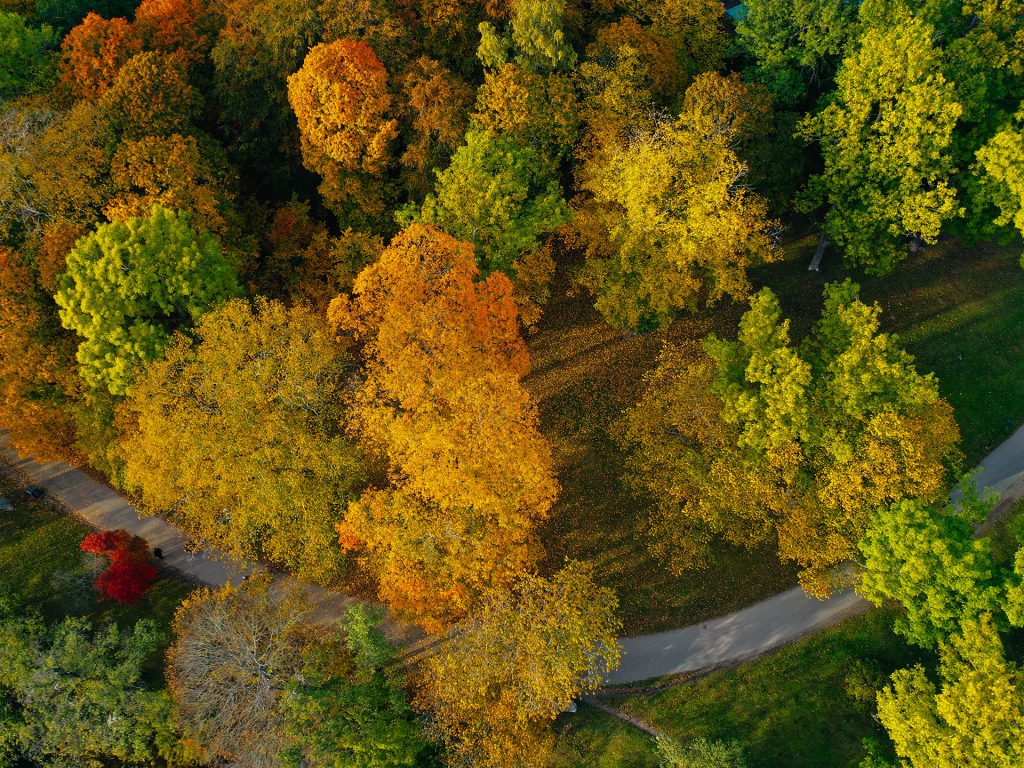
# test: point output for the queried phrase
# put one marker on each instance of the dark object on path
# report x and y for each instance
(35, 491)
(158, 553)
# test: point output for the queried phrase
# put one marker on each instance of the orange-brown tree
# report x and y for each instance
(437, 104)
(93, 52)
(442, 403)
(341, 101)
(37, 369)
(151, 96)
(186, 173)
(304, 263)
(187, 28)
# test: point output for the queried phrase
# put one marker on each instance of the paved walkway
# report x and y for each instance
(772, 623)
(745, 634)
(101, 506)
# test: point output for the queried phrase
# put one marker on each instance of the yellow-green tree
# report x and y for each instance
(471, 474)
(886, 138)
(497, 194)
(130, 284)
(795, 444)
(926, 558)
(496, 685)
(535, 39)
(666, 223)
(237, 436)
(972, 718)
(1002, 164)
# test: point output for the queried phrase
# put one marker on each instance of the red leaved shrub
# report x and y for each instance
(125, 580)
(129, 573)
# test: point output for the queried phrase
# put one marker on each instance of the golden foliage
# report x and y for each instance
(151, 96)
(667, 224)
(495, 687)
(341, 101)
(442, 401)
(56, 239)
(538, 110)
(237, 436)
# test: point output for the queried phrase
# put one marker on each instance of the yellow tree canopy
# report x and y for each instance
(442, 402)
(237, 436)
(495, 687)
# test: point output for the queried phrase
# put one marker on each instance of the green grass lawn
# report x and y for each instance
(959, 310)
(808, 706)
(41, 567)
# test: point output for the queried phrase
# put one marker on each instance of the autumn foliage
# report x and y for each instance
(36, 366)
(759, 439)
(187, 28)
(94, 52)
(494, 688)
(341, 102)
(471, 474)
(129, 572)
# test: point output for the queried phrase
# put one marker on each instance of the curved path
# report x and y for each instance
(771, 623)
(742, 635)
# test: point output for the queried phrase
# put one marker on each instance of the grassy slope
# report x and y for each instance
(584, 375)
(958, 309)
(791, 709)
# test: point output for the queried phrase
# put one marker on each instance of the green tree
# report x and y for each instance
(77, 695)
(796, 44)
(886, 139)
(972, 719)
(238, 435)
(24, 54)
(536, 40)
(130, 284)
(768, 440)
(984, 58)
(925, 557)
(667, 222)
(1002, 181)
(496, 194)
(359, 719)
